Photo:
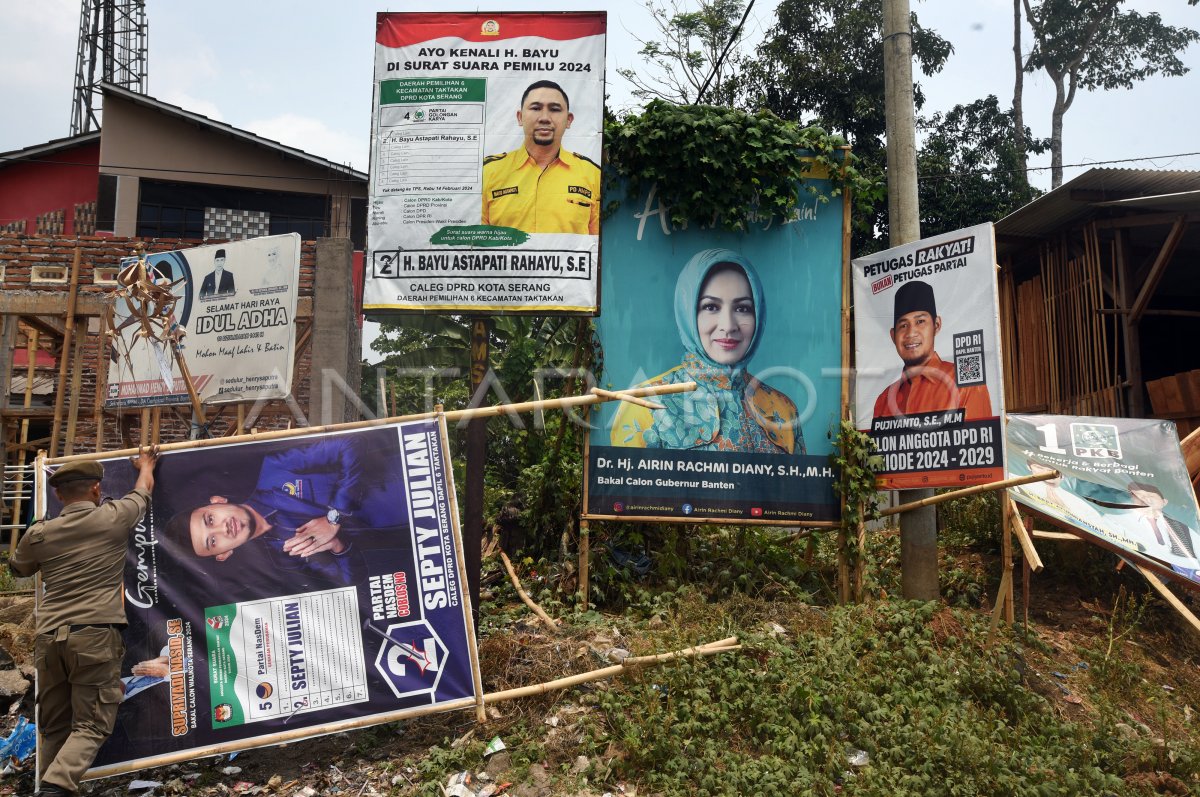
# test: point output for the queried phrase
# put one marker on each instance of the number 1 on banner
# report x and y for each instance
(1050, 432)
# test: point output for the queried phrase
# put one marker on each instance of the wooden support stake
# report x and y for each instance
(860, 561)
(1038, 534)
(524, 596)
(76, 383)
(144, 429)
(68, 330)
(1018, 528)
(966, 491)
(843, 542)
(585, 558)
(241, 418)
(155, 426)
(641, 402)
(1170, 598)
(1006, 554)
(1003, 596)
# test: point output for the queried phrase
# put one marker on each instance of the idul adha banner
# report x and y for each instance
(1123, 485)
(485, 145)
(237, 307)
(234, 641)
(927, 360)
(755, 320)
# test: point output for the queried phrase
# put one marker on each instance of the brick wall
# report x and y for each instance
(43, 264)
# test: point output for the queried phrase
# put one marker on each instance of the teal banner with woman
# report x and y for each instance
(754, 319)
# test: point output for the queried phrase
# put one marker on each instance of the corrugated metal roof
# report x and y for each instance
(1182, 202)
(1082, 197)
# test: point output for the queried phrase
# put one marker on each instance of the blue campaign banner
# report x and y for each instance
(754, 318)
(255, 618)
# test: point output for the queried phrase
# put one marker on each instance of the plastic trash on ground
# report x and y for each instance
(20, 743)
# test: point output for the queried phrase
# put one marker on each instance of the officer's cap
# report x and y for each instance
(914, 296)
(85, 470)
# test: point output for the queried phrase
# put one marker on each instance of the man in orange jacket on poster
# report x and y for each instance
(927, 383)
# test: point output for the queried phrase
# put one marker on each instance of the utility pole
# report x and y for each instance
(918, 528)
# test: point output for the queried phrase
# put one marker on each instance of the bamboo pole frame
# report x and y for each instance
(468, 615)
(844, 574)
(102, 375)
(31, 349)
(450, 416)
(629, 665)
(1170, 597)
(641, 402)
(1004, 484)
(524, 596)
(1022, 535)
(585, 558)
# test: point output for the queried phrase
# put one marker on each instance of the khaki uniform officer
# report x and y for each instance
(78, 652)
(541, 187)
(562, 197)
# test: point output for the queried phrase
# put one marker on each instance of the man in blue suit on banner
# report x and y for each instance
(315, 508)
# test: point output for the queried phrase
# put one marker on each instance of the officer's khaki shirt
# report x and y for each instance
(565, 197)
(81, 554)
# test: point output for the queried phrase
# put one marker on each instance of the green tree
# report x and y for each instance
(534, 464)
(970, 167)
(822, 64)
(1096, 45)
(693, 48)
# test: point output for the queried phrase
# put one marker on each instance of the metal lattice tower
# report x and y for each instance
(112, 49)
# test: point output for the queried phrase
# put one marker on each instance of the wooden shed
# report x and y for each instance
(1100, 297)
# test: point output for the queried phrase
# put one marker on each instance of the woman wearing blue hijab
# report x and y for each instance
(720, 312)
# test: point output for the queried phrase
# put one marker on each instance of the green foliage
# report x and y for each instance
(721, 167)
(1109, 669)
(688, 53)
(970, 167)
(821, 64)
(534, 462)
(971, 522)
(936, 713)
(1097, 45)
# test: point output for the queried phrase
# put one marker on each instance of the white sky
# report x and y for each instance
(304, 78)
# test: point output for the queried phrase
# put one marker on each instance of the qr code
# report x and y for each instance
(968, 369)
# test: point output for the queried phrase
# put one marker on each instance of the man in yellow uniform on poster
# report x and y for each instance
(541, 187)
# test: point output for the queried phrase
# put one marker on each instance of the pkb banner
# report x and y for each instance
(292, 587)
(1122, 484)
(485, 152)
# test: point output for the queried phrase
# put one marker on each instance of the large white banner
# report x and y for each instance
(928, 386)
(237, 307)
(485, 152)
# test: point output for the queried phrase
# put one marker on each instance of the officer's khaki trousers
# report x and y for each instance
(79, 689)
